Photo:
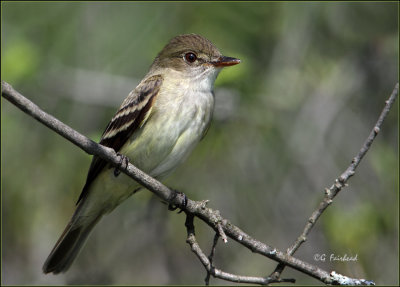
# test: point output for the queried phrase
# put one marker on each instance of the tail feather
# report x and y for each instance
(68, 245)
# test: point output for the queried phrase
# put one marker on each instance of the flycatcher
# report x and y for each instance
(156, 127)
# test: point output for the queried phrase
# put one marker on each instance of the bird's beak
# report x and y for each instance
(225, 61)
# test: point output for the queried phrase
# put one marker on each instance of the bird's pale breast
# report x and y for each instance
(159, 146)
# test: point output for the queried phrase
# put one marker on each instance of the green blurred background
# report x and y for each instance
(288, 120)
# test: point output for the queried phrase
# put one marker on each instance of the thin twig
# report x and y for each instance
(211, 257)
(340, 182)
(222, 233)
(215, 272)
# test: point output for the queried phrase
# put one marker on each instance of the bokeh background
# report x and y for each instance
(288, 120)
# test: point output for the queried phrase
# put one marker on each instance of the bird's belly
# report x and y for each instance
(164, 143)
(157, 148)
(179, 149)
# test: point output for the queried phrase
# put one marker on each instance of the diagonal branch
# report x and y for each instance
(88, 145)
(340, 182)
(211, 217)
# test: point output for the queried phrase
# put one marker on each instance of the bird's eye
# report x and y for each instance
(190, 57)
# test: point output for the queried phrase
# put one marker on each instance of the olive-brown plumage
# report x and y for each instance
(156, 127)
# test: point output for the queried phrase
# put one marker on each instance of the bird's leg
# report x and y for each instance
(123, 159)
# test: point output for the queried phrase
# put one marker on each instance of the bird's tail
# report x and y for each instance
(70, 242)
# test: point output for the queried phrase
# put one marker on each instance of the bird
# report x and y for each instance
(156, 128)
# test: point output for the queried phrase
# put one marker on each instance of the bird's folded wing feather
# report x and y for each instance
(131, 116)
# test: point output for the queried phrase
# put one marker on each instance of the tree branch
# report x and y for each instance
(193, 208)
(218, 273)
(211, 257)
(340, 182)
(89, 146)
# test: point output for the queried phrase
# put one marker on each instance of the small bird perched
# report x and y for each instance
(156, 127)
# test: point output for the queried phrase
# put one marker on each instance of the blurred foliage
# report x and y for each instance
(288, 120)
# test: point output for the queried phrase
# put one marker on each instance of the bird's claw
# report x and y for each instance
(123, 159)
(173, 207)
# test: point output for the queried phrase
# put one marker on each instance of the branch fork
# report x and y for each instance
(222, 227)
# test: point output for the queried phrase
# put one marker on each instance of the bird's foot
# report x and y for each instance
(182, 207)
(123, 160)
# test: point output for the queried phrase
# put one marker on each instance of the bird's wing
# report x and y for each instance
(131, 116)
